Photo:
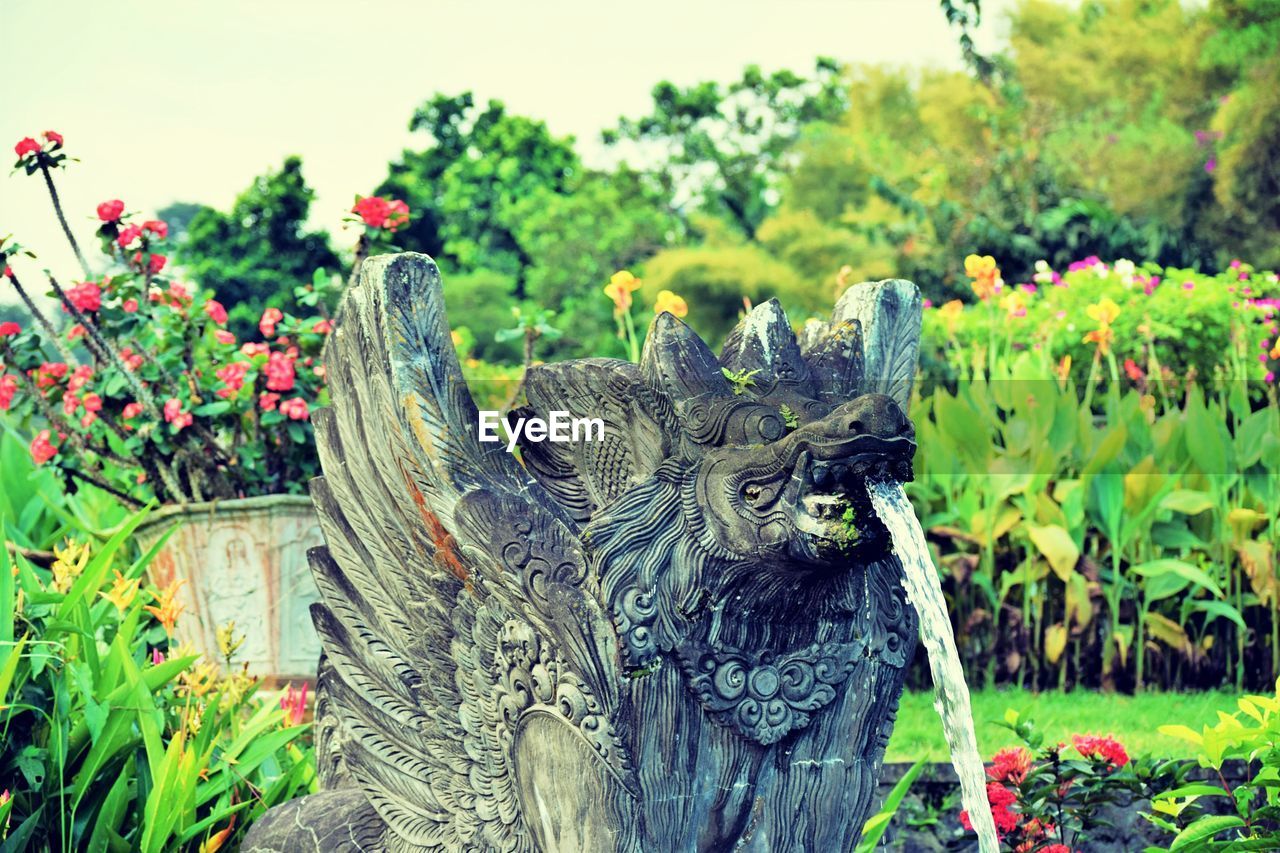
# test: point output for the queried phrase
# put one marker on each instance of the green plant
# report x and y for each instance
(111, 739)
(873, 830)
(1251, 735)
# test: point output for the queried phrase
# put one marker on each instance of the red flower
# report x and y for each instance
(8, 388)
(92, 403)
(378, 212)
(111, 211)
(1132, 370)
(295, 409)
(1056, 848)
(77, 331)
(216, 312)
(9, 328)
(1000, 798)
(42, 449)
(158, 227)
(130, 306)
(70, 402)
(232, 375)
(48, 374)
(1010, 765)
(280, 372)
(322, 327)
(132, 360)
(254, 349)
(267, 325)
(128, 236)
(224, 337)
(1104, 748)
(52, 136)
(85, 296)
(177, 290)
(26, 145)
(294, 703)
(268, 401)
(80, 377)
(131, 410)
(155, 263)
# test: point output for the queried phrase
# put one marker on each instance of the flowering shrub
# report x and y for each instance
(1161, 323)
(1043, 799)
(134, 382)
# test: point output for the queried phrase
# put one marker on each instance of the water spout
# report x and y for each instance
(924, 590)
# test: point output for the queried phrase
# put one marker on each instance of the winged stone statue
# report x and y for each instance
(686, 633)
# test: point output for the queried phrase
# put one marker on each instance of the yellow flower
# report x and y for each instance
(199, 679)
(166, 609)
(1275, 351)
(456, 338)
(620, 287)
(228, 642)
(975, 266)
(670, 303)
(122, 591)
(1063, 369)
(1014, 303)
(69, 563)
(1105, 312)
(985, 275)
(951, 311)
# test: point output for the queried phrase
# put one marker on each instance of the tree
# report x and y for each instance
(723, 150)
(465, 186)
(255, 254)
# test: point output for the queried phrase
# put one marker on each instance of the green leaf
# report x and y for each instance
(874, 828)
(1058, 548)
(1158, 568)
(1187, 502)
(1204, 829)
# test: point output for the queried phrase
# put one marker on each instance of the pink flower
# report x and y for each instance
(132, 360)
(156, 263)
(294, 703)
(85, 296)
(111, 211)
(224, 337)
(232, 375)
(157, 657)
(48, 374)
(8, 388)
(323, 327)
(130, 306)
(254, 349)
(280, 372)
(216, 312)
(70, 402)
(268, 401)
(42, 449)
(173, 414)
(267, 325)
(131, 410)
(76, 332)
(9, 329)
(26, 145)
(92, 403)
(128, 236)
(52, 136)
(378, 212)
(295, 409)
(157, 227)
(80, 377)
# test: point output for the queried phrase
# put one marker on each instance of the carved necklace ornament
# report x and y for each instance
(688, 633)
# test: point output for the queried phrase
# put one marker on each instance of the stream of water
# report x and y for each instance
(951, 693)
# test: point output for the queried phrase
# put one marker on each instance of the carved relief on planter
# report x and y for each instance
(243, 560)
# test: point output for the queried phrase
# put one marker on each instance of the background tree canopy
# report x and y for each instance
(1123, 128)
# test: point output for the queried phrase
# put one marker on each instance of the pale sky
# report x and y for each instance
(190, 100)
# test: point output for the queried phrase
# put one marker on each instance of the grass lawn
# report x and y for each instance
(1132, 720)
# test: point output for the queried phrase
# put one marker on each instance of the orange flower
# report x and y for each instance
(620, 287)
(166, 609)
(122, 591)
(670, 303)
(1064, 368)
(1102, 337)
(1275, 351)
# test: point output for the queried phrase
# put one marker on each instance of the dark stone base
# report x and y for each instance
(339, 821)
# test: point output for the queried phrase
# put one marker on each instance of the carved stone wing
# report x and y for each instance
(457, 613)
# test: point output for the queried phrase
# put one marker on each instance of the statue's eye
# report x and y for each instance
(751, 493)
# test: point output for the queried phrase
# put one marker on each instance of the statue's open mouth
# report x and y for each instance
(834, 515)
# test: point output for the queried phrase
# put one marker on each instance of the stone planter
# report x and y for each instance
(243, 560)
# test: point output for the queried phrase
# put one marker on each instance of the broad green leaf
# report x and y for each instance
(1187, 501)
(1197, 576)
(1204, 829)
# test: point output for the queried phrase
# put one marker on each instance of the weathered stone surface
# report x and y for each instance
(687, 635)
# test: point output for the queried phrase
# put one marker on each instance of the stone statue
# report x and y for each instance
(686, 633)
